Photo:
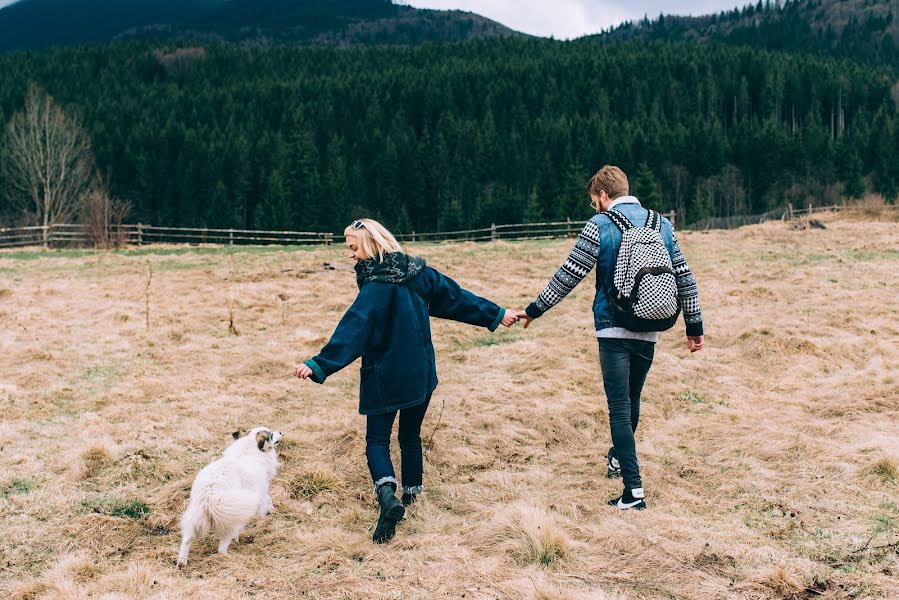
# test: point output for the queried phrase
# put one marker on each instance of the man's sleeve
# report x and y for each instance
(687, 290)
(579, 263)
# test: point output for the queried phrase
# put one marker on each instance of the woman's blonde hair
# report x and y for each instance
(374, 239)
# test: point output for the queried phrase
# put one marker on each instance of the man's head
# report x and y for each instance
(609, 184)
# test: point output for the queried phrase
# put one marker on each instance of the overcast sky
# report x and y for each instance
(568, 18)
(573, 18)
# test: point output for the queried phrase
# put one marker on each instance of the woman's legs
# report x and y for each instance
(377, 449)
(410, 448)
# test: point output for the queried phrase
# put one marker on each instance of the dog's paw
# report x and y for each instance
(181, 562)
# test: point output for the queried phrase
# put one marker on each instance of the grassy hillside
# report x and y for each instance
(770, 459)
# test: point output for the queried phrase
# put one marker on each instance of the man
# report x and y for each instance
(624, 356)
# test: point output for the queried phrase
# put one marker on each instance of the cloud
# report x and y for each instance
(567, 19)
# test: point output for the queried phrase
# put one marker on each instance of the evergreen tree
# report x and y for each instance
(533, 213)
(645, 187)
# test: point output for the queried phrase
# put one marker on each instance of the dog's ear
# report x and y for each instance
(239, 433)
(263, 440)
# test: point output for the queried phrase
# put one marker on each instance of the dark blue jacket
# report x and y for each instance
(389, 327)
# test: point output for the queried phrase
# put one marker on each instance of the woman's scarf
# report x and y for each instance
(395, 268)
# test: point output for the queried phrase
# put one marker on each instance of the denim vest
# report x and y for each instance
(609, 242)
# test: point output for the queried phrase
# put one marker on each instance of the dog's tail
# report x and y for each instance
(223, 510)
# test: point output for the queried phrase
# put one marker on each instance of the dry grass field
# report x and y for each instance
(770, 459)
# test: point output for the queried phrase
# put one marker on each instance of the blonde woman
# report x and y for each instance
(388, 326)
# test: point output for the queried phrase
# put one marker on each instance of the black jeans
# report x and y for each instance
(624, 365)
(377, 447)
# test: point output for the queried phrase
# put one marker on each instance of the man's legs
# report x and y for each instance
(615, 362)
(642, 354)
(625, 364)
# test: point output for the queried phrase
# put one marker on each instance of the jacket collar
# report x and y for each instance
(624, 200)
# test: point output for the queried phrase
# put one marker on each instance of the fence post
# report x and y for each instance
(45, 231)
(230, 237)
(140, 234)
(413, 235)
(789, 211)
(567, 226)
(493, 232)
(672, 216)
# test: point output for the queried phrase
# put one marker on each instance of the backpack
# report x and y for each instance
(644, 288)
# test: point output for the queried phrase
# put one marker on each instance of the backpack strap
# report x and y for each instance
(654, 221)
(618, 219)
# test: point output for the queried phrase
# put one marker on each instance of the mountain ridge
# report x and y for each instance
(862, 30)
(36, 24)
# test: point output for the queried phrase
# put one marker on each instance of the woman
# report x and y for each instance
(388, 326)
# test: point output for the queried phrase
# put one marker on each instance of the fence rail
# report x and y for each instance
(516, 231)
(74, 235)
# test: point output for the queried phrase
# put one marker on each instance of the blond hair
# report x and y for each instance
(373, 238)
(610, 179)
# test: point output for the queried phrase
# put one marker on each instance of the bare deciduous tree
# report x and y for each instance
(104, 214)
(48, 165)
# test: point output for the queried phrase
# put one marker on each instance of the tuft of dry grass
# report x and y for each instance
(309, 484)
(753, 452)
(885, 470)
(783, 583)
(94, 460)
(529, 534)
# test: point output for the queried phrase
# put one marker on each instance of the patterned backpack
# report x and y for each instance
(644, 292)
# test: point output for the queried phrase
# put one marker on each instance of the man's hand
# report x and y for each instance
(302, 371)
(523, 316)
(509, 318)
(694, 343)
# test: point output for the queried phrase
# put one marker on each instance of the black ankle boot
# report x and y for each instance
(408, 499)
(391, 512)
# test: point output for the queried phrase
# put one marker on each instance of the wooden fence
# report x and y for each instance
(60, 236)
(66, 235)
(518, 231)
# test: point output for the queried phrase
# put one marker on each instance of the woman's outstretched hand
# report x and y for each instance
(509, 318)
(302, 371)
(523, 316)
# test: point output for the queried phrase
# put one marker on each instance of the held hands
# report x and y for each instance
(695, 342)
(523, 316)
(302, 371)
(509, 318)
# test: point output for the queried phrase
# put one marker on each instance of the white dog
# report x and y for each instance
(232, 490)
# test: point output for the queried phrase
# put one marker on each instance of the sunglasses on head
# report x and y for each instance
(357, 225)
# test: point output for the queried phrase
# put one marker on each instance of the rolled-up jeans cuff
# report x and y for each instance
(414, 490)
(384, 480)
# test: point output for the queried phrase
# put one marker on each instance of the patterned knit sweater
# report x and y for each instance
(581, 261)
